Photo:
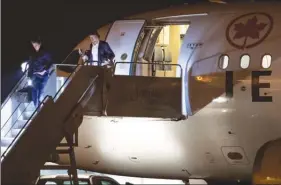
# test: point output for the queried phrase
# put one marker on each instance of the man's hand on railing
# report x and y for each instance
(85, 58)
(80, 52)
(41, 73)
(110, 64)
(25, 65)
(29, 81)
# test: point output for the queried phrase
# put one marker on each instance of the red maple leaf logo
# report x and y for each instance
(250, 29)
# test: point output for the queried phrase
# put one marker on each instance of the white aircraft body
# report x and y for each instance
(231, 132)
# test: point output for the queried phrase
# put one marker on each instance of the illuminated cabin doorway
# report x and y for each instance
(160, 47)
(167, 49)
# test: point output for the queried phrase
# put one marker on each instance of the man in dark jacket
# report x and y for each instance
(39, 65)
(99, 53)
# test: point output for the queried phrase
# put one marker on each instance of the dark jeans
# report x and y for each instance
(38, 86)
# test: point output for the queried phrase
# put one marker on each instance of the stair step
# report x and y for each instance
(19, 124)
(15, 131)
(6, 141)
(26, 115)
(29, 107)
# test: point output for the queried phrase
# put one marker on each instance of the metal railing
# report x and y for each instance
(14, 89)
(36, 110)
(147, 63)
(22, 79)
(23, 128)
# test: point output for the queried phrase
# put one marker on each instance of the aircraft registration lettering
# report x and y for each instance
(256, 86)
(194, 45)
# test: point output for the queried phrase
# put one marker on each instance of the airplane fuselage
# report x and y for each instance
(230, 115)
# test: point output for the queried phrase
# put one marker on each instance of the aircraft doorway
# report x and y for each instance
(133, 41)
(167, 49)
(146, 48)
(160, 49)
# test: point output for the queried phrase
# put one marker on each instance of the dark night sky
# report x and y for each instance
(61, 25)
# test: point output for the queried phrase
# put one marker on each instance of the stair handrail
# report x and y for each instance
(146, 63)
(73, 73)
(24, 126)
(14, 89)
(2, 127)
(45, 98)
(23, 77)
(81, 99)
(69, 55)
(12, 125)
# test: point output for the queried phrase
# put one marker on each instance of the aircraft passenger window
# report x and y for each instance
(223, 61)
(266, 61)
(245, 61)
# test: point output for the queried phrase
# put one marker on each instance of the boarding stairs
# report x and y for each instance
(30, 134)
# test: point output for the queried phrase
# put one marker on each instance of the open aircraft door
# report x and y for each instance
(138, 96)
(124, 38)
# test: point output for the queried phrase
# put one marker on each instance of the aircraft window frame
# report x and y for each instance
(245, 55)
(262, 61)
(221, 61)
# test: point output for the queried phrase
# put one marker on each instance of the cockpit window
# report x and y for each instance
(223, 61)
(245, 61)
(266, 61)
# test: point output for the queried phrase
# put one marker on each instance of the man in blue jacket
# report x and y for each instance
(99, 53)
(39, 65)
